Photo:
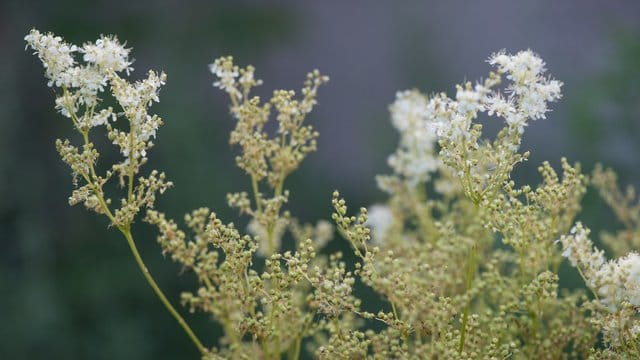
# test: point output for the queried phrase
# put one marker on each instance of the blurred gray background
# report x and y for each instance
(69, 288)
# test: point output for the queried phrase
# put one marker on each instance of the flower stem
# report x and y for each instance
(470, 272)
(160, 294)
(256, 193)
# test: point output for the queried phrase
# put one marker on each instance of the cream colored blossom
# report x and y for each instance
(414, 159)
(529, 89)
(380, 219)
(227, 73)
(108, 55)
(615, 281)
(55, 54)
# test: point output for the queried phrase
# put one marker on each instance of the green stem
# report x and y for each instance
(534, 323)
(91, 178)
(265, 349)
(465, 316)
(271, 227)
(425, 223)
(395, 312)
(256, 193)
(298, 346)
(296, 351)
(131, 165)
(522, 267)
(594, 292)
(160, 294)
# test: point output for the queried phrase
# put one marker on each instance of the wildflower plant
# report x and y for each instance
(464, 260)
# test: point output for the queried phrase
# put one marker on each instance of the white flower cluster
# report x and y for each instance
(529, 91)
(414, 159)
(261, 233)
(55, 54)
(108, 55)
(615, 281)
(481, 166)
(422, 121)
(226, 72)
(525, 98)
(81, 84)
(323, 233)
(135, 99)
(104, 59)
(452, 119)
(234, 80)
(379, 219)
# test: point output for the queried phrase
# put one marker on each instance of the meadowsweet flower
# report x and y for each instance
(469, 100)
(267, 239)
(523, 67)
(247, 78)
(629, 266)
(615, 281)
(80, 86)
(498, 105)
(408, 111)
(88, 81)
(578, 248)
(227, 73)
(102, 117)
(67, 104)
(108, 55)
(414, 159)
(140, 94)
(529, 89)
(450, 122)
(135, 99)
(323, 233)
(380, 219)
(103, 59)
(55, 54)
(443, 117)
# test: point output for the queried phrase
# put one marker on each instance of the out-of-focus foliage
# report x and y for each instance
(605, 117)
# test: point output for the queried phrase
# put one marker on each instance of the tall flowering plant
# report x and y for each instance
(464, 260)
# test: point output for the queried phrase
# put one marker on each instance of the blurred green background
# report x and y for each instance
(69, 288)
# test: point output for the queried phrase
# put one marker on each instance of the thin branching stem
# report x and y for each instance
(145, 271)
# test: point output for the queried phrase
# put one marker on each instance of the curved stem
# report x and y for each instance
(91, 178)
(160, 294)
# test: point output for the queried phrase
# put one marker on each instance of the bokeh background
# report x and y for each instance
(69, 288)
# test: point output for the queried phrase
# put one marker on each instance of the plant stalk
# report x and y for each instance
(465, 316)
(160, 294)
